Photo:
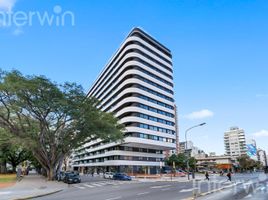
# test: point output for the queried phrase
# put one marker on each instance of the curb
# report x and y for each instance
(40, 195)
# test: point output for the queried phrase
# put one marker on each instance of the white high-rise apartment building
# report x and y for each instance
(137, 86)
(235, 142)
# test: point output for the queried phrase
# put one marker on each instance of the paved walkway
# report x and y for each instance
(30, 186)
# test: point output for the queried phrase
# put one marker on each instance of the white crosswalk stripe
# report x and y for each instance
(88, 185)
(80, 187)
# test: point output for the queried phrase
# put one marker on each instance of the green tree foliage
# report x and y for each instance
(180, 161)
(51, 120)
(192, 163)
(14, 155)
(246, 163)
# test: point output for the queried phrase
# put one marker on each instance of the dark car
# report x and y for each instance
(72, 178)
(61, 175)
(123, 177)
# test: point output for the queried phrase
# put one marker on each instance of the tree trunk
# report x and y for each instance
(51, 173)
(59, 165)
(3, 167)
(14, 165)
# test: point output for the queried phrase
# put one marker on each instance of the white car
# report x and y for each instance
(108, 175)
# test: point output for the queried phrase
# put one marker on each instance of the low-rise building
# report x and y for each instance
(215, 163)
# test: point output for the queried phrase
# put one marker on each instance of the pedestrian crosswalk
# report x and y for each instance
(89, 185)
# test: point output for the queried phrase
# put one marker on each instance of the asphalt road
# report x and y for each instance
(100, 189)
(253, 187)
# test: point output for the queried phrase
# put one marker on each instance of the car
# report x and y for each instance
(167, 171)
(108, 175)
(181, 173)
(61, 175)
(72, 178)
(121, 176)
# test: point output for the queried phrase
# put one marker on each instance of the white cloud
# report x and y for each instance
(205, 113)
(261, 133)
(7, 5)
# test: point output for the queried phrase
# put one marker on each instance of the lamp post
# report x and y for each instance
(186, 132)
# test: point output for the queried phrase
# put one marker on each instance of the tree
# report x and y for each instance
(11, 151)
(246, 163)
(51, 120)
(182, 159)
(179, 160)
(14, 155)
(172, 159)
(192, 163)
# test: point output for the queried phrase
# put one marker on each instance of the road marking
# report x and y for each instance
(165, 189)
(8, 192)
(96, 184)
(112, 183)
(143, 193)
(187, 190)
(80, 187)
(228, 186)
(159, 186)
(90, 186)
(114, 198)
(102, 183)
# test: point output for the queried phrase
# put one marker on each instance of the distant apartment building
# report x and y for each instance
(235, 142)
(137, 87)
(191, 150)
(183, 146)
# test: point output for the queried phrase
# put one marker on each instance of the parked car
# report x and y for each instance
(180, 173)
(120, 176)
(61, 175)
(108, 175)
(72, 178)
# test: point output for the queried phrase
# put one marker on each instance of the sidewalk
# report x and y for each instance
(31, 186)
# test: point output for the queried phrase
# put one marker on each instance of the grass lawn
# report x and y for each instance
(4, 178)
(7, 180)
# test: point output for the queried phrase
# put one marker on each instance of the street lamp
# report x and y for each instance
(188, 168)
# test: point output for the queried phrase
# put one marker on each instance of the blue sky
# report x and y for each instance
(219, 52)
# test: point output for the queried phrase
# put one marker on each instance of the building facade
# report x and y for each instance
(137, 87)
(235, 142)
(215, 163)
(182, 146)
(191, 151)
